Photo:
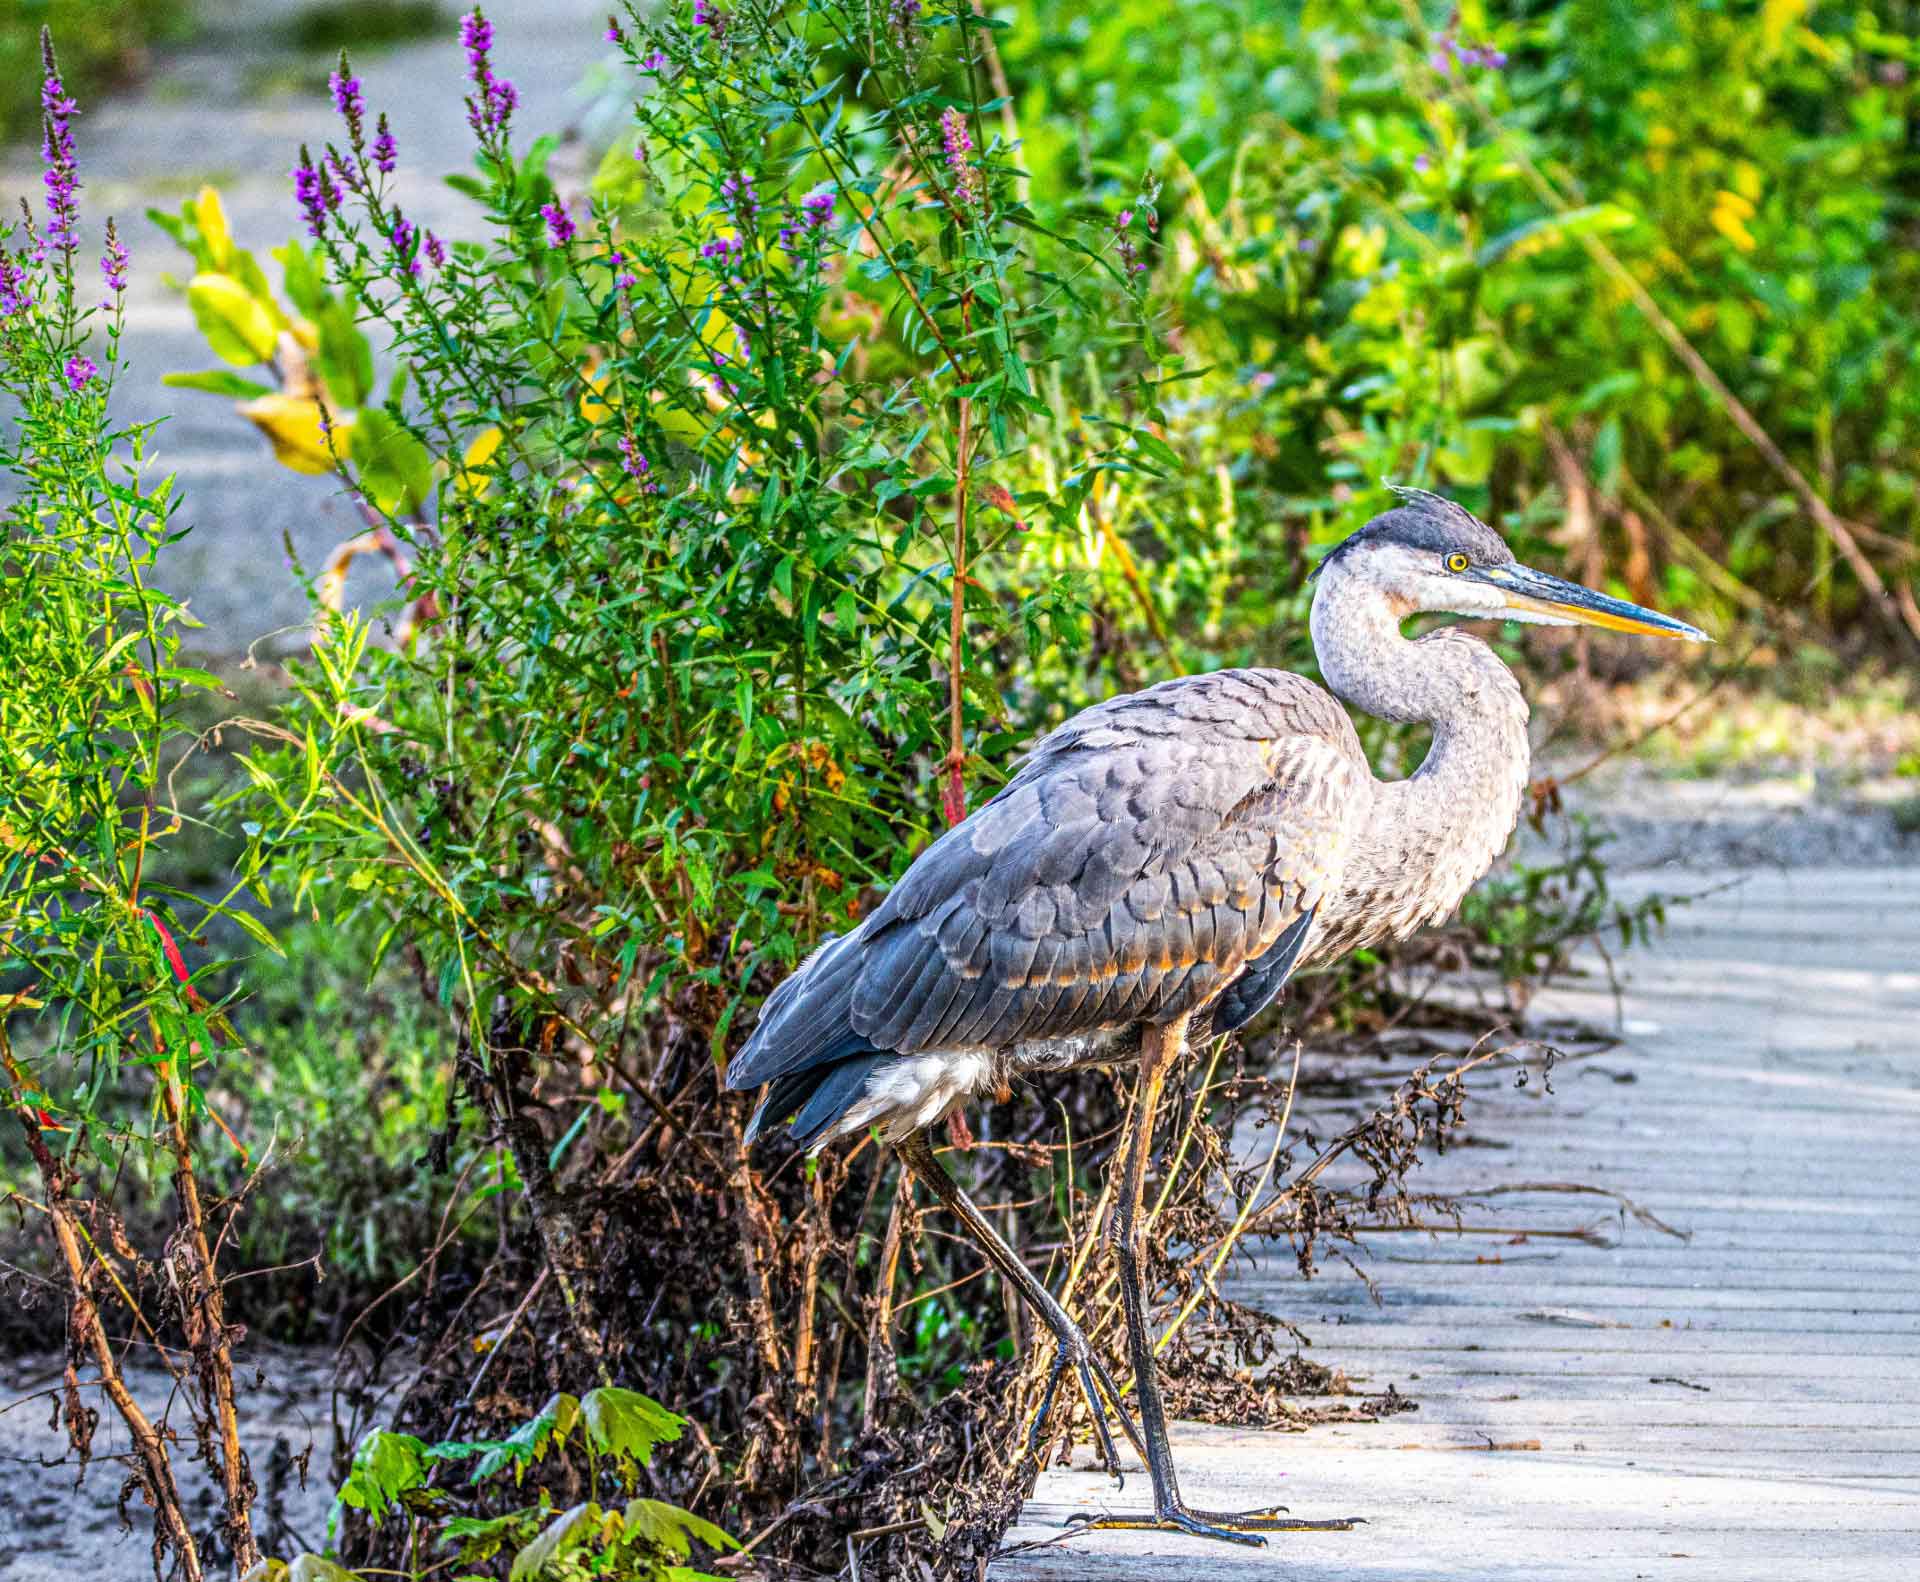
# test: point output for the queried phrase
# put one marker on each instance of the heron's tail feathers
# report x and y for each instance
(816, 1098)
(805, 1050)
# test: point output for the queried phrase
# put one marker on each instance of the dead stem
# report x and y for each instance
(880, 1330)
(204, 1315)
(172, 1528)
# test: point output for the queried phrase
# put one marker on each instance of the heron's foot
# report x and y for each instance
(1101, 1395)
(1234, 1527)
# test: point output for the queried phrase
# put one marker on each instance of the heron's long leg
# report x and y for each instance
(1071, 1346)
(1159, 1047)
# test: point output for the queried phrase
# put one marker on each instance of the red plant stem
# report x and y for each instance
(953, 799)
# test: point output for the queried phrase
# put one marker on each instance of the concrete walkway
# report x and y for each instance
(1743, 1404)
(231, 108)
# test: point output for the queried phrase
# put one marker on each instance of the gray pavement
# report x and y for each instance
(1599, 1399)
(231, 107)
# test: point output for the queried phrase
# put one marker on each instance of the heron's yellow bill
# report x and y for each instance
(1538, 596)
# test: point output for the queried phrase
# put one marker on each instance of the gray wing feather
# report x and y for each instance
(1145, 852)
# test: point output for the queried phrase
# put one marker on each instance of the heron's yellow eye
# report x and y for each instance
(1456, 561)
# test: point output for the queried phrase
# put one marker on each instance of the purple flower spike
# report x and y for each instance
(80, 372)
(635, 465)
(958, 143)
(494, 98)
(818, 207)
(16, 293)
(311, 189)
(722, 249)
(737, 192)
(614, 34)
(113, 262)
(385, 153)
(62, 179)
(436, 251)
(406, 245)
(347, 99)
(708, 15)
(560, 226)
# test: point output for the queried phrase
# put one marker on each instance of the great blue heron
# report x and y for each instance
(1158, 866)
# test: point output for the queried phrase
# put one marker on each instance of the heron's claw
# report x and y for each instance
(1101, 1394)
(1235, 1527)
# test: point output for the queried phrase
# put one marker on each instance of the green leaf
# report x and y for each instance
(670, 1528)
(525, 1445)
(385, 1466)
(395, 469)
(249, 925)
(218, 381)
(345, 357)
(627, 1424)
(569, 1530)
(317, 1568)
(300, 275)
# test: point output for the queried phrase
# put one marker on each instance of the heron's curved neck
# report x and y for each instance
(1448, 680)
(1435, 833)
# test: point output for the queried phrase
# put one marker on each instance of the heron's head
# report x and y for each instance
(1429, 555)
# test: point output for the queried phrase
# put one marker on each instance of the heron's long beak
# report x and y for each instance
(1535, 593)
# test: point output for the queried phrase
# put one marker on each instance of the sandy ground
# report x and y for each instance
(56, 1524)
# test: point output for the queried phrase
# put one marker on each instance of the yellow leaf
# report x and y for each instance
(1732, 226)
(469, 479)
(292, 426)
(237, 326)
(592, 407)
(1776, 16)
(211, 216)
(307, 334)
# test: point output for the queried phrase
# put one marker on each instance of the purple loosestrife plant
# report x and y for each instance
(62, 180)
(956, 142)
(1452, 52)
(493, 99)
(93, 713)
(16, 288)
(406, 244)
(348, 101)
(113, 262)
(310, 191)
(560, 226)
(736, 192)
(386, 154)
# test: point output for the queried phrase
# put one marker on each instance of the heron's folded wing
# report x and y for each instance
(1144, 854)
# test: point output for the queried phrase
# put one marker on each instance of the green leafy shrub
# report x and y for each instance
(113, 1024)
(614, 1431)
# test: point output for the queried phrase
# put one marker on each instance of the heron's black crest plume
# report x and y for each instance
(1423, 520)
